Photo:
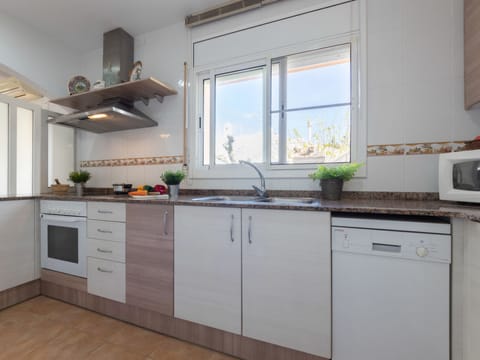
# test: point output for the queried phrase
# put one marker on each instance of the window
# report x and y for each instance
(19, 147)
(239, 117)
(283, 94)
(306, 121)
(310, 107)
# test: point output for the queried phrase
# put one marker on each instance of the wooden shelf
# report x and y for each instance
(130, 91)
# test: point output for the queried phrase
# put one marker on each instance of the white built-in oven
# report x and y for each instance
(64, 236)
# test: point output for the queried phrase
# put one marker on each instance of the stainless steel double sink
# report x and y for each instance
(256, 200)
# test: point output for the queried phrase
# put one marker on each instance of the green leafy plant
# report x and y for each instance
(172, 177)
(79, 176)
(344, 172)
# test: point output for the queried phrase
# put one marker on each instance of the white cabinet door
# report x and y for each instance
(17, 243)
(208, 266)
(471, 283)
(287, 279)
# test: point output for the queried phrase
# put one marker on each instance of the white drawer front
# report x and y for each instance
(106, 211)
(106, 230)
(106, 279)
(107, 250)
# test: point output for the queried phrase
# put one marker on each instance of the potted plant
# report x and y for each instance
(332, 178)
(79, 178)
(173, 180)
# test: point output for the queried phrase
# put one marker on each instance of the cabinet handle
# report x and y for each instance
(104, 251)
(249, 229)
(165, 218)
(104, 231)
(231, 229)
(105, 212)
(104, 270)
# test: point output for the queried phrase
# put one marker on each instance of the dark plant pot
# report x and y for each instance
(331, 189)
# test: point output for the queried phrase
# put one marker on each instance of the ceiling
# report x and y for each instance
(81, 24)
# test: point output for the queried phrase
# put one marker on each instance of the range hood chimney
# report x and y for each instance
(117, 56)
(117, 112)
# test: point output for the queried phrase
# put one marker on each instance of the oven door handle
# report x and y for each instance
(60, 218)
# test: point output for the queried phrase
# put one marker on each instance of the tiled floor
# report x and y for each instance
(43, 328)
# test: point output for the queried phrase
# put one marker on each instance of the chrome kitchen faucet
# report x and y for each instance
(262, 191)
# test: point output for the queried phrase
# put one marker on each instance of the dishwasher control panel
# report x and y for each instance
(367, 240)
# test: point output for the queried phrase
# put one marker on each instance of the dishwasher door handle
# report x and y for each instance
(389, 248)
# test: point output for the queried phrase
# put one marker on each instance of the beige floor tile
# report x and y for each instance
(172, 349)
(44, 329)
(113, 352)
(137, 340)
(98, 325)
(71, 344)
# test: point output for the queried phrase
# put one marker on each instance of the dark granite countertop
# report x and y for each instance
(367, 206)
(9, 198)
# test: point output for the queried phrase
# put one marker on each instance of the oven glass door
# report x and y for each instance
(63, 244)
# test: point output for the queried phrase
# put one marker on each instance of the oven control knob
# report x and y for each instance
(422, 251)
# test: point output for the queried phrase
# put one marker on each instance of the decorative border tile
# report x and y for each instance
(425, 148)
(385, 150)
(372, 150)
(157, 160)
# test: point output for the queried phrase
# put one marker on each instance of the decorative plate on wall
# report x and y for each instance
(78, 84)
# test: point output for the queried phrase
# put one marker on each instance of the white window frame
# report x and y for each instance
(13, 104)
(358, 121)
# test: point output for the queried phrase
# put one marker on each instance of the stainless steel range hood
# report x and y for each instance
(115, 117)
(111, 108)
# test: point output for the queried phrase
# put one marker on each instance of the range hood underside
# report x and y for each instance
(117, 119)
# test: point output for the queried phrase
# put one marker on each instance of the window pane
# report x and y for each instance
(239, 113)
(60, 153)
(320, 77)
(206, 122)
(3, 149)
(314, 136)
(24, 151)
(275, 86)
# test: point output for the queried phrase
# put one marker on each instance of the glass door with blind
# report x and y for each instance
(19, 147)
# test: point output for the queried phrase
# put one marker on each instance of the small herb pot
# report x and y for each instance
(331, 189)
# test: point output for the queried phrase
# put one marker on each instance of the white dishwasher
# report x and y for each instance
(390, 288)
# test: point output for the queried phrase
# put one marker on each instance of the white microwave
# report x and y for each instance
(459, 176)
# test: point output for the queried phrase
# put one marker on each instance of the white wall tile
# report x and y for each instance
(136, 175)
(119, 175)
(101, 177)
(421, 173)
(385, 173)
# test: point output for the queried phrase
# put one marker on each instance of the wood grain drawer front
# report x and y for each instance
(106, 279)
(106, 230)
(107, 250)
(149, 255)
(106, 211)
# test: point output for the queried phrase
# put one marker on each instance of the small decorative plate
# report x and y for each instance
(136, 71)
(78, 84)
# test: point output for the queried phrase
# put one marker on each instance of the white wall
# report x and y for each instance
(415, 94)
(46, 63)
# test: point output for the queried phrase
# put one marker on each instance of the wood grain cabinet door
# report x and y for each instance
(287, 279)
(472, 52)
(149, 257)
